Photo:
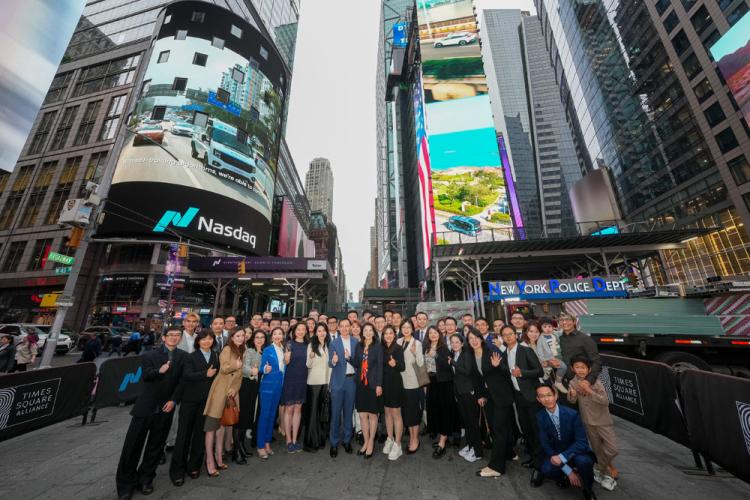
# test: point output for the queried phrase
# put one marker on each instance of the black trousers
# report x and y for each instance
(469, 411)
(527, 418)
(189, 445)
(502, 447)
(152, 432)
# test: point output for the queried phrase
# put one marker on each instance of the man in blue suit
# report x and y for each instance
(566, 456)
(342, 386)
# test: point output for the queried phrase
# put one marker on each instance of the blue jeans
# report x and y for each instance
(342, 405)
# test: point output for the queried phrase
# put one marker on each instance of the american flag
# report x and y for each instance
(427, 207)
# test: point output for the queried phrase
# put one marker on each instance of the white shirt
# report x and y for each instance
(189, 342)
(512, 364)
(348, 346)
(279, 356)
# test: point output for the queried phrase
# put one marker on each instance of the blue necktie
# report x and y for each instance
(556, 421)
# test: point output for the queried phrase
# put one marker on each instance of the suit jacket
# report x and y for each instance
(274, 380)
(466, 377)
(420, 335)
(374, 363)
(7, 359)
(221, 341)
(499, 387)
(195, 385)
(572, 440)
(158, 388)
(531, 371)
(338, 372)
(443, 370)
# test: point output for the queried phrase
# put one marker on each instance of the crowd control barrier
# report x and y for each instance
(717, 412)
(120, 381)
(38, 398)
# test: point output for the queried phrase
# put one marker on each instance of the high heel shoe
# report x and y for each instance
(367, 457)
(212, 474)
(412, 452)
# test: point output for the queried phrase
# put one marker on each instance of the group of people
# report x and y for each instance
(17, 354)
(326, 382)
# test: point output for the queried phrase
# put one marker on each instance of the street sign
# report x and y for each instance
(63, 270)
(60, 258)
(65, 302)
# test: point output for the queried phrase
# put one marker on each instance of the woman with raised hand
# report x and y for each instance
(368, 361)
(273, 367)
(413, 358)
(317, 409)
(469, 388)
(393, 392)
(294, 391)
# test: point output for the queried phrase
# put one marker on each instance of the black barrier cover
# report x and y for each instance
(120, 381)
(38, 398)
(717, 411)
(644, 393)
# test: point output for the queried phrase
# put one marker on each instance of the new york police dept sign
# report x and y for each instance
(585, 288)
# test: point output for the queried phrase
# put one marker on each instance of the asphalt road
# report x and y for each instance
(67, 460)
(430, 52)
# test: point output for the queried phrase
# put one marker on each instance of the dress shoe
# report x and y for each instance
(487, 472)
(238, 457)
(146, 489)
(334, 451)
(412, 452)
(367, 457)
(348, 448)
(439, 452)
(589, 495)
(195, 474)
(435, 444)
(536, 478)
(178, 482)
(563, 483)
(361, 452)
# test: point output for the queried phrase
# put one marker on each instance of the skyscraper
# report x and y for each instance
(319, 187)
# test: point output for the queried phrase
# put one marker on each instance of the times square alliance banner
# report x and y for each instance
(202, 142)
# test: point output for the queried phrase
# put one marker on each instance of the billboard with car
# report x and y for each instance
(203, 139)
(468, 185)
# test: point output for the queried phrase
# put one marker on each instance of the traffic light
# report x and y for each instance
(74, 239)
(241, 267)
(182, 251)
(633, 278)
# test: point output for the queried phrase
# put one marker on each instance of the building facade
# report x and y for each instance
(69, 145)
(319, 187)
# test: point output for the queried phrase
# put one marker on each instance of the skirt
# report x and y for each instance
(366, 400)
(411, 412)
(248, 398)
(211, 424)
(316, 417)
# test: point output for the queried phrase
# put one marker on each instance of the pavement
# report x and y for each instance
(67, 460)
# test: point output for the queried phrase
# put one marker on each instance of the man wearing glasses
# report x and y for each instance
(575, 343)
(152, 416)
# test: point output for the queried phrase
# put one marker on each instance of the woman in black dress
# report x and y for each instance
(368, 361)
(294, 393)
(441, 402)
(393, 392)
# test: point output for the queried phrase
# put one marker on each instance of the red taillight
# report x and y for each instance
(688, 341)
(740, 342)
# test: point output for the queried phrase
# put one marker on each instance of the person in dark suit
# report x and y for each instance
(469, 395)
(217, 326)
(152, 416)
(567, 457)
(7, 353)
(91, 350)
(200, 370)
(521, 364)
(342, 386)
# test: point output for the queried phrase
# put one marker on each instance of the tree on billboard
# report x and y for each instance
(450, 69)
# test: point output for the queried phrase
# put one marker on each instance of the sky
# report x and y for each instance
(332, 113)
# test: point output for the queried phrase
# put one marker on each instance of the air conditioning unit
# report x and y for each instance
(75, 212)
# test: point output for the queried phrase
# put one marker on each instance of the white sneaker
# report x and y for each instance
(608, 483)
(388, 446)
(395, 452)
(471, 457)
(598, 476)
(463, 451)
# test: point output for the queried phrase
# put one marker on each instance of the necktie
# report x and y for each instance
(556, 421)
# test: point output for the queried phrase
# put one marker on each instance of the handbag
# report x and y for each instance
(423, 378)
(484, 428)
(231, 413)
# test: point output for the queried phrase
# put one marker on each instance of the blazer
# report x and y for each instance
(398, 355)
(195, 384)
(272, 381)
(572, 440)
(466, 378)
(338, 372)
(420, 335)
(443, 370)
(374, 363)
(531, 371)
(409, 375)
(498, 384)
(158, 388)
(228, 377)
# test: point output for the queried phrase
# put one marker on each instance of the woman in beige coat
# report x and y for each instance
(227, 383)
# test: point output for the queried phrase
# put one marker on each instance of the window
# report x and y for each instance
(30, 213)
(714, 114)
(8, 213)
(23, 178)
(680, 42)
(69, 172)
(662, 6)
(701, 20)
(671, 22)
(158, 112)
(107, 75)
(46, 172)
(688, 4)
(168, 19)
(58, 87)
(726, 139)
(200, 59)
(692, 66)
(42, 132)
(94, 169)
(13, 259)
(181, 35)
(145, 87)
(163, 57)
(263, 53)
(236, 31)
(740, 169)
(4, 176)
(198, 17)
(222, 95)
(59, 198)
(63, 128)
(87, 123)
(218, 42)
(703, 90)
(39, 254)
(737, 14)
(180, 84)
(109, 128)
(238, 75)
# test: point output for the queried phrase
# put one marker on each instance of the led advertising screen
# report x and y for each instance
(732, 56)
(33, 37)
(202, 143)
(469, 192)
(293, 242)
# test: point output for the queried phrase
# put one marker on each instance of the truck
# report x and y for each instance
(224, 147)
(710, 333)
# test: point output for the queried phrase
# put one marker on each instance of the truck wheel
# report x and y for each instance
(681, 361)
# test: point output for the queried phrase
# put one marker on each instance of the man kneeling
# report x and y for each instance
(566, 456)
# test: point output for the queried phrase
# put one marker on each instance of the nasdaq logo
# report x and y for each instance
(130, 378)
(176, 219)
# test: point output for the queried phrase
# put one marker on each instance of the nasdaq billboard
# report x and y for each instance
(202, 142)
(469, 191)
(732, 56)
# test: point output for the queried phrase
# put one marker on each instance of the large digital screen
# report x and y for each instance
(732, 56)
(202, 143)
(468, 185)
(33, 37)
(293, 242)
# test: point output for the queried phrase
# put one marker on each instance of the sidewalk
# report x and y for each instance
(69, 461)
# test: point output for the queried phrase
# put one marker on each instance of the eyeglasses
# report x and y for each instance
(174, 334)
